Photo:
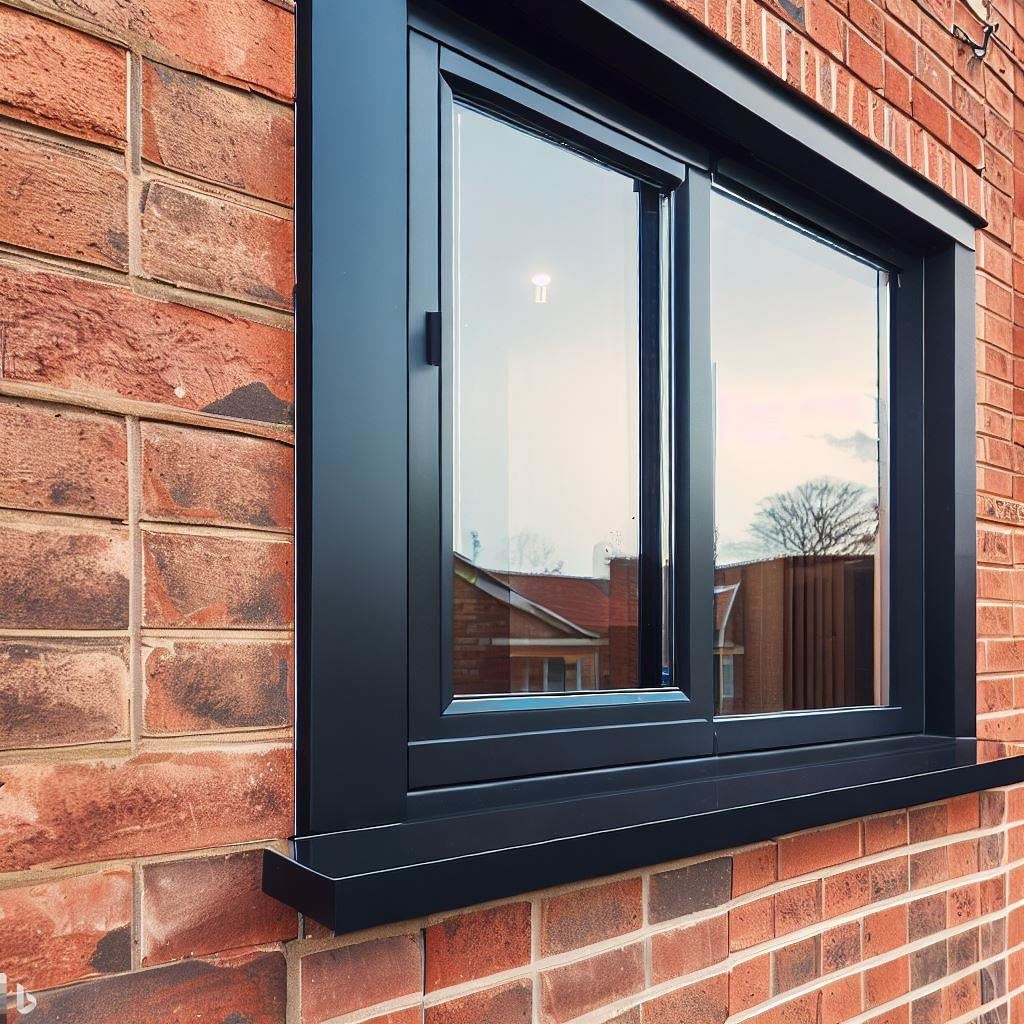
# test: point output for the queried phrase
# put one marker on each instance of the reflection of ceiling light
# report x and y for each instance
(540, 284)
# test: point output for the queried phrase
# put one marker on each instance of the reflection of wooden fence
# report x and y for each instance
(802, 633)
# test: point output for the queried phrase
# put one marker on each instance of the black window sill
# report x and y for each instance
(365, 877)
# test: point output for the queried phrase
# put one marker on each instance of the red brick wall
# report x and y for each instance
(145, 574)
(145, 506)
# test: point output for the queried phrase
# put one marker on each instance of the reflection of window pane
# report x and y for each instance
(546, 418)
(798, 341)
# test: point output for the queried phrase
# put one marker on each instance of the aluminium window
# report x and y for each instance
(577, 415)
(635, 457)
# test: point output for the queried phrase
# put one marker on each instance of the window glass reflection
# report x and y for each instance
(546, 424)
(798, 347)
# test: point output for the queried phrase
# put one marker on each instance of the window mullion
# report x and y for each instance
(694, 580)
(650, 586)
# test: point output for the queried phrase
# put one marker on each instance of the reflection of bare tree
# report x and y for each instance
(529, 552)
(820, 517)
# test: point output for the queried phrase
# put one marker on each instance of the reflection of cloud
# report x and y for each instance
(859, 445)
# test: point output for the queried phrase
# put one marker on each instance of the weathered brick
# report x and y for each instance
(927, 915)
(752, 923)
(475, 944)
(819, 848)
(77, 201)
(194, 992)
(846, 891)
(97, 339)
(885, 930)
(796, 964)
(927, 1009)
(960, 997)
(750, 983)
(966, 142)
(886, 981)
(62, 79)
(964, 813)
(928, 965)
(337, 981)
(511, 1003)
(689, 948)
(412, 1015)
(866, 60)
(79, 812)
(867, 16)
(634, 1015)
(686, 890)
(885, 832)
(928, 822)
(840, 1000)
(584, 985)
(963, 904)
(798, 907)
(212, 245)
(826, 27)
(207, 904)
(63, 691)
(583, 916)
(57, 458)
(62, 931)
(930, 112)
(889, 878)
(841, 947)
(207, 476)
(929, 867)
(896, 86)
(963, 950)
(705, 1002)
(753, 868)
(64, 575)
(210, 685)
(216, 581)
(245, 42)
(223, 135)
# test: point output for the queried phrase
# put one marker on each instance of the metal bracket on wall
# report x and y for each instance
(980, 49)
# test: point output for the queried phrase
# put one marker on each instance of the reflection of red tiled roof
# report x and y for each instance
(579, 599)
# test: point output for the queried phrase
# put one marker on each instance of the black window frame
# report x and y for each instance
(387, 801)
(484, 739)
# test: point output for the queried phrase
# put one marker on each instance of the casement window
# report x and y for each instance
(635, 452)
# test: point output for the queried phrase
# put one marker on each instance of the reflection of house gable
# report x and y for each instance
(525, 632)
(501, 590)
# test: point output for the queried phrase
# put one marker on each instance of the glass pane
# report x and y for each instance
(799, 338)
(546, 430)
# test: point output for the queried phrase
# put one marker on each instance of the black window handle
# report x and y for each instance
(434, 338)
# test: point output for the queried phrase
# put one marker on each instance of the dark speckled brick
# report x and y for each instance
(690, 889)
(962, 950)
(928, 965)
(191, 992)
(796, 964)
(927, 916)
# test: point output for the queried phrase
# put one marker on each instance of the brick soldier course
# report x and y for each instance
(146, 662)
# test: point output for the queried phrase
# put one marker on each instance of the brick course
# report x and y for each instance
(146, 390)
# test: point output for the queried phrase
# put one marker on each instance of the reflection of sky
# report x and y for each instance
(546, 429)
(795, 347)
(546, 443)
